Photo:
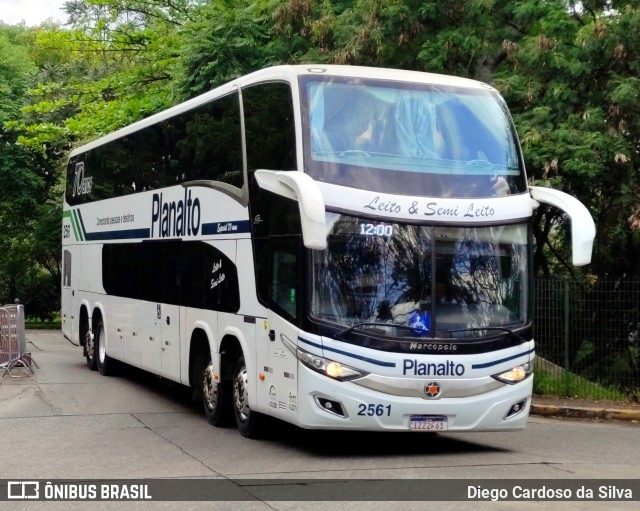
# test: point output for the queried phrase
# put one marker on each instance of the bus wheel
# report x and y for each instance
(249, 422)
(104, 362)
(215, 396)
(91, 350)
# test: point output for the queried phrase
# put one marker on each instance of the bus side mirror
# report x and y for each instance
(583, 230)
(302, 188)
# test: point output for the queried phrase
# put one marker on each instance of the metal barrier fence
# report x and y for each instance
(13, 343)
(587, 338)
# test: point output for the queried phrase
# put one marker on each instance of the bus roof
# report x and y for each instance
(290, 74)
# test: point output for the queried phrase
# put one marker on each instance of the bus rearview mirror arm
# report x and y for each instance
(583, 229)
(302, 188)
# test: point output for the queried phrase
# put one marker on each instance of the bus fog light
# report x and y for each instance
(516, 408)
(515, 375)
(330, 405)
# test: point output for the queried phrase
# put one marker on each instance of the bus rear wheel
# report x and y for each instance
(104, 362)
(215, 396)
(91, 350)
(249, 422)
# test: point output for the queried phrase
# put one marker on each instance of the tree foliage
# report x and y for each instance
(20, 181)
(568, 70)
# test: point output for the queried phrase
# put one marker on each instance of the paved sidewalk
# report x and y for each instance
(549, 406)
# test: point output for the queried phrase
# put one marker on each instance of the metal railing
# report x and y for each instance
(587, 338)
(13, 343)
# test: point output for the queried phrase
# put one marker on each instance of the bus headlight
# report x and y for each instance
(515, 375)
(331, 368)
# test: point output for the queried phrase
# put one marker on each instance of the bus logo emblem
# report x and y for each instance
(81, 185)
(432, 389)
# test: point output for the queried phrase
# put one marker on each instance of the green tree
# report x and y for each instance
(224, 40)
(571, 83)
(19, 180)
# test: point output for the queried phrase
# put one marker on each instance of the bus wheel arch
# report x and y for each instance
(235, 375)
(212, 388)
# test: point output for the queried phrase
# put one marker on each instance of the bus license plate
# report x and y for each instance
(428, 423)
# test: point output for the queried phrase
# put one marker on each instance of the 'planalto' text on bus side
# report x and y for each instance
(175, 218)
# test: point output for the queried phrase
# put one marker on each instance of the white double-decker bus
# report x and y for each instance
(337, 247)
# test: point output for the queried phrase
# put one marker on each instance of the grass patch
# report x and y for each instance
(52, 323)
(43, 325)
(566, 384)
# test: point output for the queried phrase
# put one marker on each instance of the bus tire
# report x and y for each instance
(91, 350)
(216, 396)
(104, 362)
(249, 422)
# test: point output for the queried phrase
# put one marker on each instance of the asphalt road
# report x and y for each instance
(67, 422)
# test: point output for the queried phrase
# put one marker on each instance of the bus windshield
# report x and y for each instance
(421, 281)
(410, 139)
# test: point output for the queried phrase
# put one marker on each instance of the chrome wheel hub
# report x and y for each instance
(88, 343)
(241, 394)
(209, 388)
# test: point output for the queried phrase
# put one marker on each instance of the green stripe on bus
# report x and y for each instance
(70, 215)
(76, 223)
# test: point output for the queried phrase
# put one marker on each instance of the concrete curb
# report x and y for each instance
(578, 412)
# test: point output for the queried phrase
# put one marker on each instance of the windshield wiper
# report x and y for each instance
(511, 333)
(374, 323)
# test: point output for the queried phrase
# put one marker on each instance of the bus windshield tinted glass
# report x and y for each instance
(410, 139)
(421, 281)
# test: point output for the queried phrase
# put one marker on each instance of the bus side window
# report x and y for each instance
(269, 126)
(211, 143)
(209, 279)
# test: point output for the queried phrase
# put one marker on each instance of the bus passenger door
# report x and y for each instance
(276, 361)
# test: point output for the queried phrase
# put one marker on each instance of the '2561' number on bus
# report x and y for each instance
(372, 410)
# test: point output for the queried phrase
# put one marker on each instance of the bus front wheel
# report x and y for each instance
(249, 422)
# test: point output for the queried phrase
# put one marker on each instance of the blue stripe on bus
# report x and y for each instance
(496, 362)
(231, 227)
(392, 364)
(125, 234)
(352, 355)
